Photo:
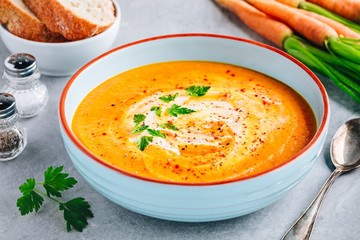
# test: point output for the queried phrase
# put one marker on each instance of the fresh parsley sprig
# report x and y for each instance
(156, 133)
(76, 211)
(197, 91)
(138, 120)
(168, 98)
(144, 141)
(176, 110)
(139, 129)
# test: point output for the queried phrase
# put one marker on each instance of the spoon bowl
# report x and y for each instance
(345, 155)
(345, 144)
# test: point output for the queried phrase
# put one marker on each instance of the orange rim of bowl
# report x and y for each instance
(79, 145)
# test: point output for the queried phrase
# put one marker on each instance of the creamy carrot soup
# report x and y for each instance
(194, 122)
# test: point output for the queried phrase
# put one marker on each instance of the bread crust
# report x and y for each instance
(24, 25)
(61, 20)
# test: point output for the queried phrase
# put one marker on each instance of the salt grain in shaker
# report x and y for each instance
(12, 134)
(22, 80)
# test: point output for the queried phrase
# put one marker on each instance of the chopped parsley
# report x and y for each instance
(139, 129)
(176, 110)
(139, 118)
(144, 141)
(169, 126)
(169, 98)
(156, 133)
(157, 111)
(197, 91)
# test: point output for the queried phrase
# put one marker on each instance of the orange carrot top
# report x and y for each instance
(341, 29)
(349, 9)
(261, 23)
(309, 27)
(291, 3)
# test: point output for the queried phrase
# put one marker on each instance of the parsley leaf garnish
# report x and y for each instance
(56, 181)
(157, 110)
(197, 91)
(139, 118)
(156, 133)
(169, 126)
(139, 129)
(144, 141)
(76, 211)
(168, 98)
(30, 200)
(176, 110)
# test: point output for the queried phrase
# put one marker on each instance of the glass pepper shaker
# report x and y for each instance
(12, 135)
(22, 80)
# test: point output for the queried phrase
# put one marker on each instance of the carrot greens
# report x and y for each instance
(311, 7)
(336, 69)
(327, 53)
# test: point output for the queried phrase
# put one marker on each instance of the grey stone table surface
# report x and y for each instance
(340, 215)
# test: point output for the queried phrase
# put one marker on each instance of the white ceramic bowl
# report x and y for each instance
(185, 202)
(63, 59)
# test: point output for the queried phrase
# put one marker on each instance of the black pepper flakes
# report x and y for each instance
(9, 141)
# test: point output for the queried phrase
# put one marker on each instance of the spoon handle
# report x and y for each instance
(302, 228)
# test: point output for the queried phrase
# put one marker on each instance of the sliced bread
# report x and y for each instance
(74, 19)
(20, 21)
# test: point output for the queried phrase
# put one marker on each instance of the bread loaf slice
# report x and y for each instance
(20, 21)
(74, 19)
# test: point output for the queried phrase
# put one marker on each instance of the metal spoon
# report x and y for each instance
(345, 155)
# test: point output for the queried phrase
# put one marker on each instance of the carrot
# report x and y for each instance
(311, 28)
(340, 71)
(349, 9)
(311, 7)
(341, 29)
(264, 25)
(291, 3)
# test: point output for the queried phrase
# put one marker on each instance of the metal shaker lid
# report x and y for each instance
(20, 65)
(7, 105)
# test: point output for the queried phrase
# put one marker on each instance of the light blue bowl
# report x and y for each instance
(185, 202)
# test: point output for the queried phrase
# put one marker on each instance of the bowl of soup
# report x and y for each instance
(194, 127)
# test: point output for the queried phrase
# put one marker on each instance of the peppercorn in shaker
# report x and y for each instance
(12, 134)
(22, 80)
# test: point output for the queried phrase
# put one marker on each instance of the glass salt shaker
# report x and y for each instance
(22, 80)
(12, 134)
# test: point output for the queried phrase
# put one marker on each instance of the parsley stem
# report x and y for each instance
(45, 195)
